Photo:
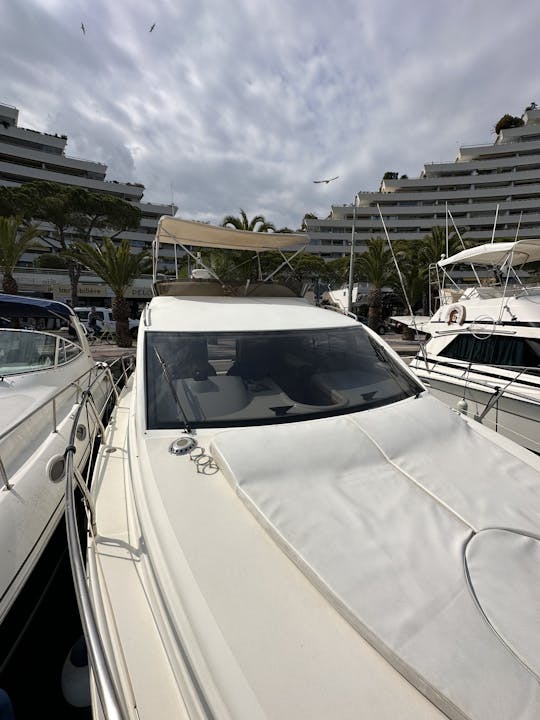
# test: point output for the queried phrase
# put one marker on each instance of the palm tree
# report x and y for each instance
(415, 259)
(375, 266)
(118, 267)
(430, 250)
(233, 264)
(257, 224)
(413, 273)
(12, 245)
(433, 245)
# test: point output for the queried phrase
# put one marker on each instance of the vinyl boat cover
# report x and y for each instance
(174, 230)
(430, 551)
(18, 306)
(517, 253)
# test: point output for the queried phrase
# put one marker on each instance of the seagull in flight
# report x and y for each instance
(326, 181)
(153, 26)
(83, 29)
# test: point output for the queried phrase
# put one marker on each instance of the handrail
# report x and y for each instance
(470, 369)
(339, 310)
(111, 702)
(74, 383)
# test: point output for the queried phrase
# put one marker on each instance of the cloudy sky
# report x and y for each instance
(231, 104)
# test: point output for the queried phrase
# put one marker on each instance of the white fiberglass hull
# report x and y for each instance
(32, 499)
(514, 413)
(327, 569)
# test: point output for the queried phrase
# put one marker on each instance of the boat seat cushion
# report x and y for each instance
(386, 525)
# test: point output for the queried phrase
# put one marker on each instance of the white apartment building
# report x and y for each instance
(27, 155)
(504, 174)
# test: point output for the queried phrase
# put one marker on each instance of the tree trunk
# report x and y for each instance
(120, 309)
(374, 310)
(9, 284)
(74, 271)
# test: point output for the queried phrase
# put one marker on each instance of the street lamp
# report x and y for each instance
(351, 259)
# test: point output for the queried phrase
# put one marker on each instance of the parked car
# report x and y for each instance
(105, 318)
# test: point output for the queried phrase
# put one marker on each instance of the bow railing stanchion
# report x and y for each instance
(112, 704)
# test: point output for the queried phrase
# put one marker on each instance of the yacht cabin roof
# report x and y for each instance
(203, 314)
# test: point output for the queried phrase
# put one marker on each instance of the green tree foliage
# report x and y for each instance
(308, 266)
(232, 265)
(376, 266)
(388, 175)
(256, 224)
(239, 265)
(415, 258)
(52, 261)
(414, 273)
(304, 267)
(433, 246)
(118, 267)
(508, 121)
(74, 213)
(336, 271)
(285, 230)
(14, 241)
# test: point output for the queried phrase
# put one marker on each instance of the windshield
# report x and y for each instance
(234, 379)
(27, 350)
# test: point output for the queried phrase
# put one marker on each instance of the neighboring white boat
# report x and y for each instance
(484, 351)
(339, 297)
(284, 523)
(43, 375)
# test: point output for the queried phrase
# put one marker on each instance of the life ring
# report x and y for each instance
(455, 315)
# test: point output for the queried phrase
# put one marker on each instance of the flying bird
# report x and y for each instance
(326, 181)
(153, 26)
(83, 29)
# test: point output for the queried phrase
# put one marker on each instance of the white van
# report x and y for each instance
(105, 319)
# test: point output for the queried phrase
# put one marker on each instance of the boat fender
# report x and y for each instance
(6, 708)
(76, 676)
(455, 315)
(463, 406)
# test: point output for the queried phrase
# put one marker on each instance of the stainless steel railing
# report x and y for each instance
(86, 379)
(112, 703)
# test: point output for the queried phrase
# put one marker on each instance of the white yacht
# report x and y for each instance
(44, 372)
(284, 523)
(484, 352)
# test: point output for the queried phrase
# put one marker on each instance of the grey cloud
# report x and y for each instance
(243, 104)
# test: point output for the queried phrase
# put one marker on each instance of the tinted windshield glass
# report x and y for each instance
(496, 350)
(251, 378)
(26, 350)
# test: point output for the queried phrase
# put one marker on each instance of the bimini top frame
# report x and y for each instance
(497, 254)
(188, 234)
(506, 259)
